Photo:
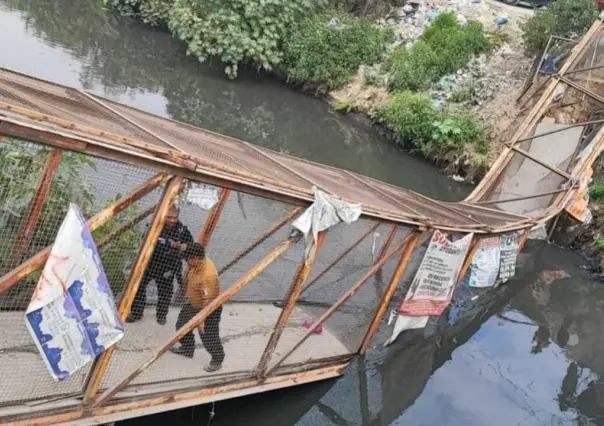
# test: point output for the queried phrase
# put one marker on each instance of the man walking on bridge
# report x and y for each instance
(164, 265)
(202, 287)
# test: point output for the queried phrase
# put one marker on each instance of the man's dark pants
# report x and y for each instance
(165, 290)
(211, 336)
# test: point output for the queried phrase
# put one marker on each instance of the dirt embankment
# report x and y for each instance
(492, 83)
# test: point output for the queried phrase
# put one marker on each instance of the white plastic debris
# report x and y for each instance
(327, 211)
(204, 196)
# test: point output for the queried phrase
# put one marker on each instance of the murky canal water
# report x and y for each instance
(535, 360)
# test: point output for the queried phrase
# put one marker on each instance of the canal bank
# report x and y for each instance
(327, 407)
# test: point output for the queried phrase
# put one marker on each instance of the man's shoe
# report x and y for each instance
(134, 318)
(210, 368)
(181, 351)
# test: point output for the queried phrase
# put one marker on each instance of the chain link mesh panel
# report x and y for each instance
(91, 184)
(343, 332)
(237, 332)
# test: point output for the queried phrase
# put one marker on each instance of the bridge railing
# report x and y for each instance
(281, 315)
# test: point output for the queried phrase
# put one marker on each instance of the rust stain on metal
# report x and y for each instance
(213, 217)
(34, 210)
(347, 295)
(270, 232)
(341, 256)
(200, 317)
(292, 297)
(397, 275)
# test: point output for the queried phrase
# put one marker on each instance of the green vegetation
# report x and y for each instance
(21, 163)
(444, 48)
(596, 192)
(564, 18)
(237, 31)
(327, 49)
(415, 120)
(463, 94)
(284, 34)
(308, 44)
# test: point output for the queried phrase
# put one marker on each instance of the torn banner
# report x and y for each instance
(72, 315)
(327, 211)
(432, 288)
(485, 263)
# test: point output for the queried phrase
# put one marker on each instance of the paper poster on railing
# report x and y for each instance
(485, 263)
(432, 288)
(72, 315)
(433, 285)
(508, 253)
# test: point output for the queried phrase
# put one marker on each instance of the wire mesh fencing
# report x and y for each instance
(199, 254)
(341, 296)
(91, 184)
(234, 335)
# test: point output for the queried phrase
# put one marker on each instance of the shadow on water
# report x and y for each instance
(536, 357)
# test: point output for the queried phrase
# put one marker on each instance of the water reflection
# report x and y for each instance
(79, 43)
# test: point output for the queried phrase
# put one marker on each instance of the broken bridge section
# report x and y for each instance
(286, 317)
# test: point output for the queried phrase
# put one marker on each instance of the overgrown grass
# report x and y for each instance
(415, 120)
(327, 49)
(444, 48)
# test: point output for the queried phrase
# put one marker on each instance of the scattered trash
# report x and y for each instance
(551, 64)
(462, 20)
(333, 22)
(408, 9)
(309, 324)
(502, 21)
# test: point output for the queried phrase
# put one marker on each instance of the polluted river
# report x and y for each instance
(533, 358)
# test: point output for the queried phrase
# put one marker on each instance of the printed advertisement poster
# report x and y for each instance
(72, 315)
(508, 253)
(433, 285)
(485, 264)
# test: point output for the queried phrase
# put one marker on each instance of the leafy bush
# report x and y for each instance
(327, 49)
(237, 30)
(563, 18)
(453, 130)
(154, 12)
(410, 116)
(20, 166)
(596, 192)
(444, 48)
(414, 119)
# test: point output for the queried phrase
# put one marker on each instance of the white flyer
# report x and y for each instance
(72, 315)
(485, 263)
